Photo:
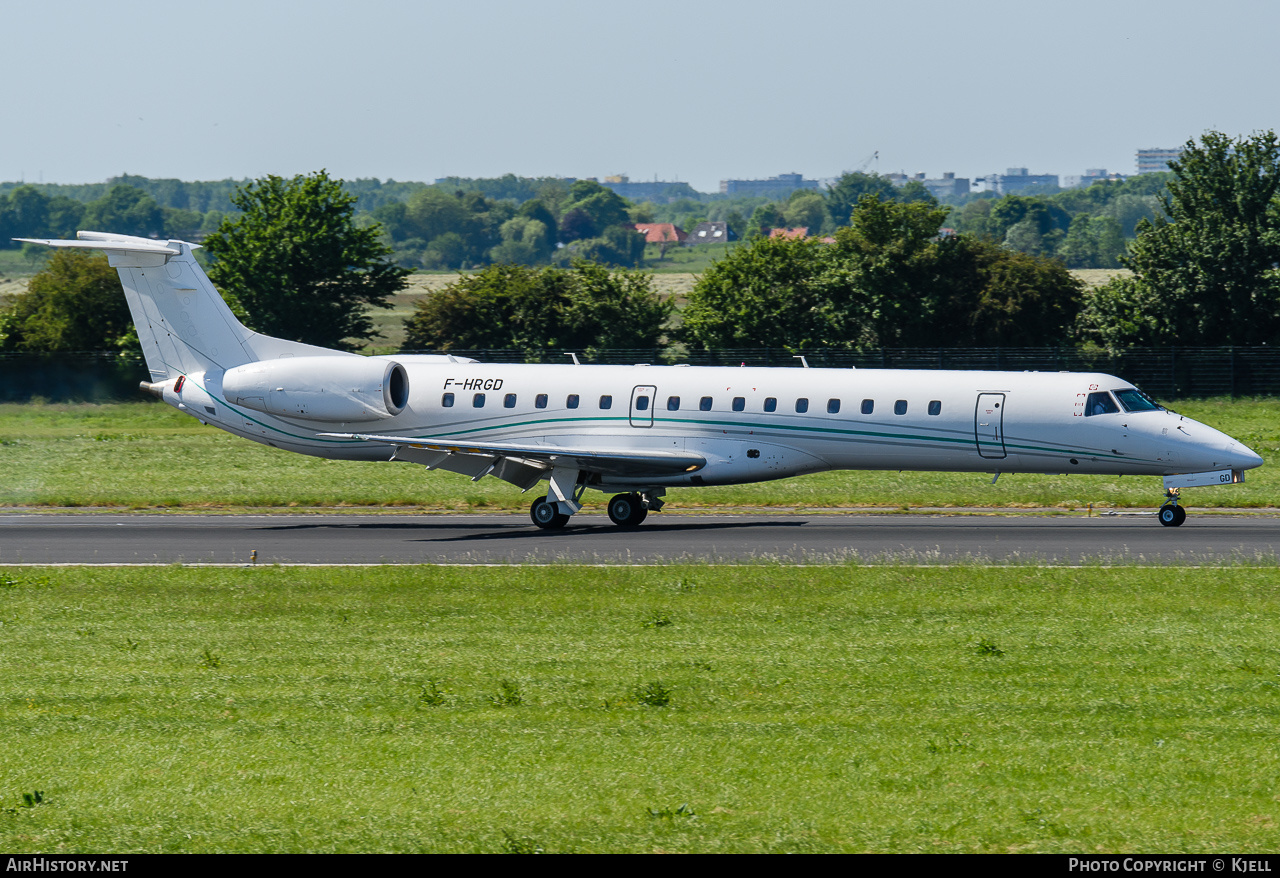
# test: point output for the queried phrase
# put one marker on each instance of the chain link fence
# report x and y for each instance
(1165, 373)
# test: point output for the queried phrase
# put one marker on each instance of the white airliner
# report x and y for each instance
(638, 430)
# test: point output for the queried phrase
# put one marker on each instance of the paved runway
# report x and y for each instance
(397, 539)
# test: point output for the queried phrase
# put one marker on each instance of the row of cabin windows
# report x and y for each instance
(738, 404)
(539, 401)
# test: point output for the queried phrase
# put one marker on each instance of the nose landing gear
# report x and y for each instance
(1171, 514)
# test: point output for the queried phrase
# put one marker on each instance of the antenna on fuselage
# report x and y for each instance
(803, 361)
(574, 356)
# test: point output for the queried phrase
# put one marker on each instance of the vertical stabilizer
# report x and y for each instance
(183, 323)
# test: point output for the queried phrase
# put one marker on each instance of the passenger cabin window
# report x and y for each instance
(509, 401)
(447, 400)
(540, 401)
(802, 405)
(900, 407)
(1100, 403)
(606, 402)
(642, 403)
(704, 404)
(673, 403)
(571, 402)
(868, 406)
(739, 403)
(1137, 401)
(771, 404)
(935, 406)
(833, 406)
(477, 401)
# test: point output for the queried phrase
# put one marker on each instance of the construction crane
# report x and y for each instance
(874, 157)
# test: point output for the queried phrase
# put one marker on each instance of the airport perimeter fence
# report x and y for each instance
(1165, 373)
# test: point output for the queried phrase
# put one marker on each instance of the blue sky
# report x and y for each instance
(677, 90)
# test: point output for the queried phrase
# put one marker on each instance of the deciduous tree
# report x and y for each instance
(125, 210)
(74, 304)
(541, 312)
(299, 265)
(844, 196)
(888, 280)
(1204, 272)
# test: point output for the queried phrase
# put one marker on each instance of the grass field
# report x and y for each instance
(148, 455)
(686, 259)
(679, 708)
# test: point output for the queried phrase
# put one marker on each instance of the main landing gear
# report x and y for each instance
(546, 515)
(1171, 514)
(625, 510)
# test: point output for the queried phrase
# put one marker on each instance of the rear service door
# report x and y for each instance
(642, 398)
(988, 425)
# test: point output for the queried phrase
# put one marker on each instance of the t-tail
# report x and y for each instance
(183, 324)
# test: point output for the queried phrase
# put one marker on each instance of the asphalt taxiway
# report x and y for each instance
(308, 538)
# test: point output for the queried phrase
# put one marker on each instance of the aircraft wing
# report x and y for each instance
(525, 465)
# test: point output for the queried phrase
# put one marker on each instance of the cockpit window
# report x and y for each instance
(1100, 403)
(1136, 401)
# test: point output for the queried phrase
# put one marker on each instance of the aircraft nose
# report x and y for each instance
(1242, 457)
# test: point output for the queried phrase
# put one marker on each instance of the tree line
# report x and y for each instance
(31, 212)
(466, 229)
(296, 260)
(457, 223)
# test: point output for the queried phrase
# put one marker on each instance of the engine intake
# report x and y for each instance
(320, 388)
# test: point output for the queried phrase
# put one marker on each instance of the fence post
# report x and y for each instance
(1231, 353)
(1173, 373)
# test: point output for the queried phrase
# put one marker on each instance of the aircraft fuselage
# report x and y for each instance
(754, 424)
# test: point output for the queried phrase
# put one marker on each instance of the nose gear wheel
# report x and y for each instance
(1171, 514)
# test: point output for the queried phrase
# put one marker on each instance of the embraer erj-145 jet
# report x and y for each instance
(638, 430)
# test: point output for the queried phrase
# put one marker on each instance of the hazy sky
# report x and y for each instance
(694, 91)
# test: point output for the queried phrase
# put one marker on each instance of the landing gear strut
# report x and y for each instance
(627, 510)
(1171, 514)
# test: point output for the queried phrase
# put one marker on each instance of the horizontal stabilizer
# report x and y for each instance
(120, 243)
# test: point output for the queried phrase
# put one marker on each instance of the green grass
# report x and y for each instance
(693, 259)
(776, 709)
(143, 455)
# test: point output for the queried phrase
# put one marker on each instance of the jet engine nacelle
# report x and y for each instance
(320, 388)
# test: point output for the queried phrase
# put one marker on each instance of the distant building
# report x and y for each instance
(1088, 178)
(775, 187)
(1151, 161)
(657, 191)
(947, 187)
(661, 233)
(710, 233)
(798, 232)
(1013, 180)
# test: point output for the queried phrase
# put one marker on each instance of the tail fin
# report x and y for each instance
(183, 323)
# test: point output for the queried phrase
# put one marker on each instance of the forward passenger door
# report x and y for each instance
(988, 425)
